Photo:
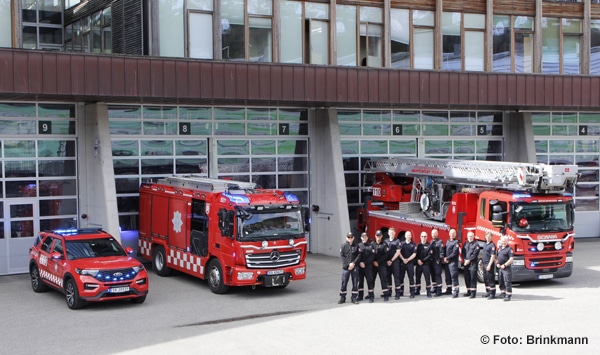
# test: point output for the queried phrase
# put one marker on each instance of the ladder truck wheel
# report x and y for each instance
(159, 261)
(215, 277)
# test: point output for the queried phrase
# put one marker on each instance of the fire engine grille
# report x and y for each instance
(273, 259)
(544, 263)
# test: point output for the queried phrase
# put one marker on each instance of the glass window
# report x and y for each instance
(400, 38)
(451, 42)
(346, 35)
(260, 40)
(423, 48)
(232, 30)
(291, 33)
(171, 29)
(200, 45)
(550, 45)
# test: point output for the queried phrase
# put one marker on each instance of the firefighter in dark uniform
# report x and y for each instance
(504, 260)
(380, 264)
(451, 258)
(423, 267)
(407, 254)
(393, 263)
(470, 256)
(365, 268)
(350, 257)
(437, 259)
(489, 266)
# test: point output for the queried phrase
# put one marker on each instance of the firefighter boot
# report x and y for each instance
(386, 296)
(448, 291)
(438, 291)
(402, 290)
(353, 299)
(455, 293)
(492, 295)
(473, 294)
(502, 295)
(342, 300)
(507, 298)
(412, 292)
(371, 297)
(488, 292)
(428, 293)
(360, 295)
(418, 291)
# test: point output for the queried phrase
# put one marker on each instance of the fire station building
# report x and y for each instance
(97, 96)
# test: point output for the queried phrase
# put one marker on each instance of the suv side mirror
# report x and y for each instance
(56, 256)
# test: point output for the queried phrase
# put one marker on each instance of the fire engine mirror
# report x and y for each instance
(226, 222)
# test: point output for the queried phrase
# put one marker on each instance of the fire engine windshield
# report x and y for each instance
(93, 248)
(542, 217)
(270, 225)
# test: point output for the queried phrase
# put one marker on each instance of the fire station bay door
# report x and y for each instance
(21, 223)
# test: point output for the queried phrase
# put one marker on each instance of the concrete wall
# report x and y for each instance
(97, 191)
(327, 185)
(519, 142)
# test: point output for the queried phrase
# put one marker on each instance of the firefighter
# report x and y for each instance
(365, 270)
(451, 259)
(350, 257)
(470, 254)
(437, 258)
(424, 257)
(408, 253)
(504, 259)
(393, 263)
(380, 264)
(489, 267)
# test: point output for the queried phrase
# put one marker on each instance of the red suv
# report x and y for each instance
(87, 265)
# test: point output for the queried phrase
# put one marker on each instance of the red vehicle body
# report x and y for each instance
(526, 202)
(224, 231)
(86, 265)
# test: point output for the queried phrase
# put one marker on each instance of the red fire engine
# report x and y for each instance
(224, 231)
(526, 202)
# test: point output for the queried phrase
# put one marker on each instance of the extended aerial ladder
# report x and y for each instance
(436, 180)
(535, 178)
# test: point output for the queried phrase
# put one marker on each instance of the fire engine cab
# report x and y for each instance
(526, 202)
(227, 232)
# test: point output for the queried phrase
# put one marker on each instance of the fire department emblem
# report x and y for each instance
(177, 222)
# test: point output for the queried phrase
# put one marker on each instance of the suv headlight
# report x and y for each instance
(138, 268)
(91, 272)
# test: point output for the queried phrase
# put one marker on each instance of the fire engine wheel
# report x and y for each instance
(215, 277)
(480, 271)
(160, 262)
(36, 281)
(72, 295)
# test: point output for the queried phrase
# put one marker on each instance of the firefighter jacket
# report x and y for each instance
(367, 253)
(381, 252)
(424, 253)
(437, 250)
(349, 254)
(471, 251)
(452, 250)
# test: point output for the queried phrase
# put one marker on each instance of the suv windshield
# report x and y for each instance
(93, 248)
(542, 217)
(270, 225)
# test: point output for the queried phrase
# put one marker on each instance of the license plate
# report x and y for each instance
(118, 289)
(274, 281)
(275, 272)
(545, 277)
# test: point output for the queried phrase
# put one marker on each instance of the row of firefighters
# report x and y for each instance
(392, 259)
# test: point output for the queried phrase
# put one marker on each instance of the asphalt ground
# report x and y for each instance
(182, 316)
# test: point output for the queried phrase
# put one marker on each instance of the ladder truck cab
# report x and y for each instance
(526, 202)
(229, 233)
